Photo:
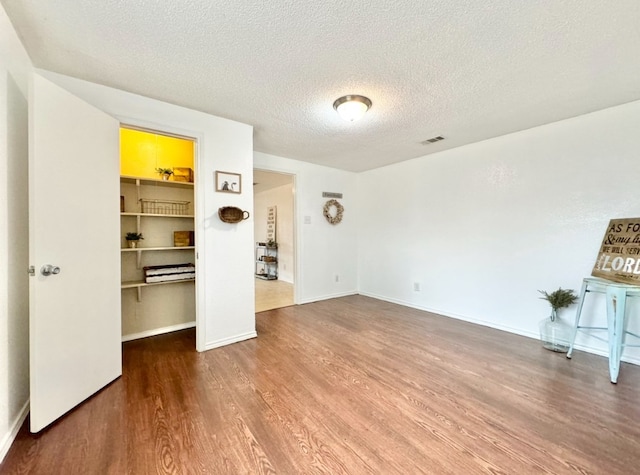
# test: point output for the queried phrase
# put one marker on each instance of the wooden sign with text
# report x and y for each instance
(619, 256)
(271, 223)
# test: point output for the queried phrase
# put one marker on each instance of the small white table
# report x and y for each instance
(616, 296)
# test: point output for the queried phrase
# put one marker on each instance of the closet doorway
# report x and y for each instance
(157, 213)
(274, 233)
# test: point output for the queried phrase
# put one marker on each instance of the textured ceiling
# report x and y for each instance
(467, 70)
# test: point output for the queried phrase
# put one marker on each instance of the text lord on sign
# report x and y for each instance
(619, 256)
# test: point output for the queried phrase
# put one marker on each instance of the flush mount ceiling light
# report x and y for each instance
(352, 107)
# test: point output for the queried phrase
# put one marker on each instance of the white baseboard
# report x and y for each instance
(158, 331)
(329, 297)
(232, 339)
(517, 331)
(8, 439)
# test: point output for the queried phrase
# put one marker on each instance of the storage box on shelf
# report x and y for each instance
(183, 238)
(183, 174)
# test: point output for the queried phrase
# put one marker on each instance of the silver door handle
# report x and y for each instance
(48, 269)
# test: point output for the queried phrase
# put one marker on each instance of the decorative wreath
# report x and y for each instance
(327, 211)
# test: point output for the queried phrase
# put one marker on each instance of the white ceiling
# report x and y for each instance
(467, 70)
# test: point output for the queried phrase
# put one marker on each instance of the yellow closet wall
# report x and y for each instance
(142, 152)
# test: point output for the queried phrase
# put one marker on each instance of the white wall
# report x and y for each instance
(482, 227)
(14, 311)
(225, 265)
(282, 198)
(323, 250)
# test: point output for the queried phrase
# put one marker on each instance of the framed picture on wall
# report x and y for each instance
(228, 182)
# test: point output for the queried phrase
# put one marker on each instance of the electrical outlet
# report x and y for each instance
(416, 286)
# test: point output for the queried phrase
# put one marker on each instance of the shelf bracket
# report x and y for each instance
(139, 260)
(139, 292)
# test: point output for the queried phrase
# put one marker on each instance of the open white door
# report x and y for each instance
(75, 340)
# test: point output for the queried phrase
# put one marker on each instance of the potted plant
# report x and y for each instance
(165, 172)
(271, 243)
(133, 238)
(554, 333)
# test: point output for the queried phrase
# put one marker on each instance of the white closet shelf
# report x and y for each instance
(154, 181)
(138, 284)
(152, 215)
(172, 248)
(132, 284)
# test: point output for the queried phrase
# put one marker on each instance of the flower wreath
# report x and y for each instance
(327, 211)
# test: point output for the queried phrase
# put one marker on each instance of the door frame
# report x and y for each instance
(198, 138)
(296, 247)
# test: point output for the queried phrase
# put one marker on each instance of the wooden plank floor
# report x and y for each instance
(272, 294)
(352, 385)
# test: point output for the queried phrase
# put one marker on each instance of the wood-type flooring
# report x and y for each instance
(348, 386)
(272, 294)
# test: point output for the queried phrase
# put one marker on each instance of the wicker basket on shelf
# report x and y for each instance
(231, 214)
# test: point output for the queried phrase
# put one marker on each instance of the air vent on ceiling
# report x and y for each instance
(432, 140)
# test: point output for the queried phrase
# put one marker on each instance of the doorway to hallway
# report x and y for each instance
(273, 213)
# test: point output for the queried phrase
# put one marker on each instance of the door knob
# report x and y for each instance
(48, 270)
